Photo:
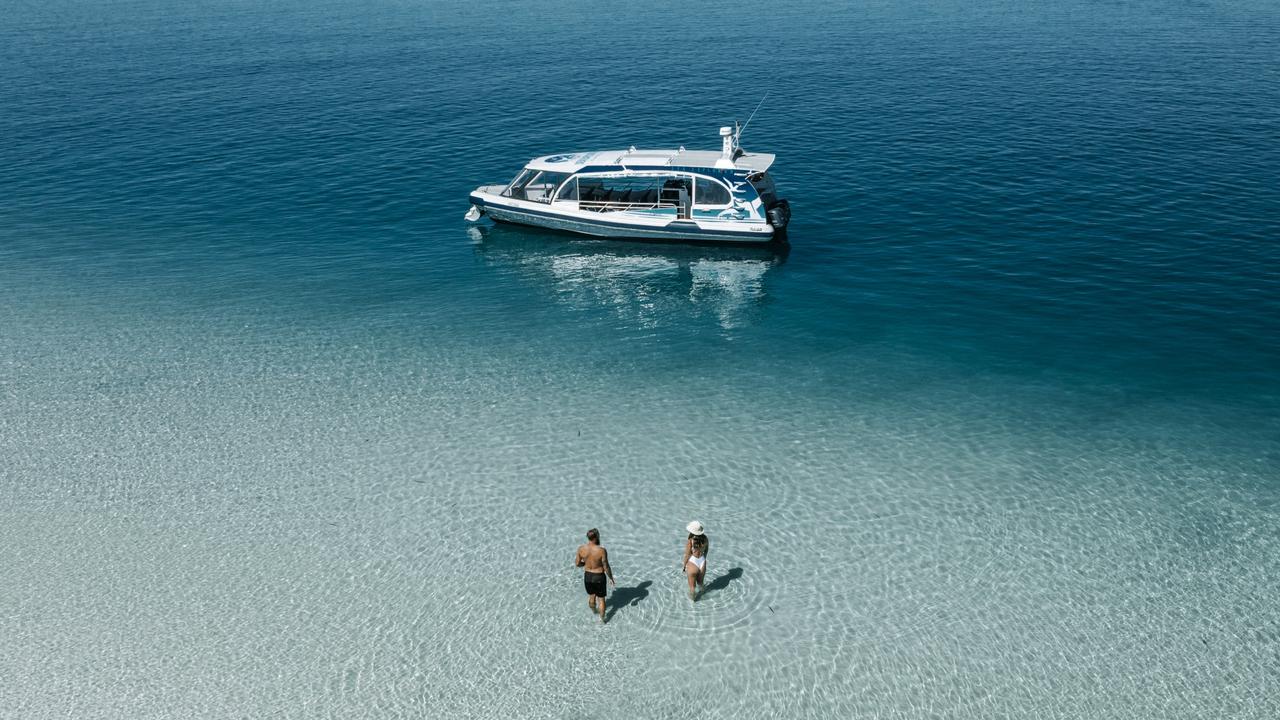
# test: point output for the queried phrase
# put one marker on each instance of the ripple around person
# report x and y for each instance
(729, 600)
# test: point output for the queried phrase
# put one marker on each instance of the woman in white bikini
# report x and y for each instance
(694, 564)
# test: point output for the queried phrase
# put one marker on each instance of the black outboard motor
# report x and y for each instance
(779, 215)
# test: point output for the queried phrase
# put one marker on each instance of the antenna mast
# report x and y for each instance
(738, 135)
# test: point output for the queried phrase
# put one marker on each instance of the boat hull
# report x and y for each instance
(622, 226)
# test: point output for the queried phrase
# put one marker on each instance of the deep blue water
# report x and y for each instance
(1091, 188)
(1012, 220)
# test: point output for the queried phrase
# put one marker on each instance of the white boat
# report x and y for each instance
(677, 195)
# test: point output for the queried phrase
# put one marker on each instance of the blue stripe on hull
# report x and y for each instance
(605, 228)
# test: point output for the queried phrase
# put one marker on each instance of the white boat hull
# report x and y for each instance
(620, 225)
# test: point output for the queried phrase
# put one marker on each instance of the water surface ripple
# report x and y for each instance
(997, 436)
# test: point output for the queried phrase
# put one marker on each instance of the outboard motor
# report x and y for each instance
(780, 215)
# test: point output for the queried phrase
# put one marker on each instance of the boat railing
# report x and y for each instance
(613, 206)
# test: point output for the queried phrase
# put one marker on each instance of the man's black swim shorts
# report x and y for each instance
(594, 582)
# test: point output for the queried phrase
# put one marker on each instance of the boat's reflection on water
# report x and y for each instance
(649, 284)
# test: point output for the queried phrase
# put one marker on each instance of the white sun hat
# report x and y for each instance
(695, 527)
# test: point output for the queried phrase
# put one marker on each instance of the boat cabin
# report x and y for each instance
(675, 183)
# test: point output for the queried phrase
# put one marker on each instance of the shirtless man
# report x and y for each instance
(594, 560)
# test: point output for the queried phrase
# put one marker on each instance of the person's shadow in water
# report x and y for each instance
(722, 581)
(624, 596)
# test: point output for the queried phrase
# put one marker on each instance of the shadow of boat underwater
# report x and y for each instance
(643, 282)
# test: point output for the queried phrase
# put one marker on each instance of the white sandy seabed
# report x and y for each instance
(240, 520)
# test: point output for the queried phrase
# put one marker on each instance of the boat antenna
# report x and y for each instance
(738, 135)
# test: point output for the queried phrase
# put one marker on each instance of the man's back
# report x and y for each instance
(591, 557)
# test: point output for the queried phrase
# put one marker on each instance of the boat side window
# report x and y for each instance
(568, 190)
(631, 192)
(590, 189)
(543, 186)
(709, 192)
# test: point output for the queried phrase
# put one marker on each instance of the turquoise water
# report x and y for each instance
(282, 435)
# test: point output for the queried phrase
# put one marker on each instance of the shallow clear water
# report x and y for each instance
(280, 434)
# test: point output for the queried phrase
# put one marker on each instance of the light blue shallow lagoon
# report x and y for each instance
(281, 435)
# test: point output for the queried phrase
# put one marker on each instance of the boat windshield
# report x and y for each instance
(516, 188)
(538, 186)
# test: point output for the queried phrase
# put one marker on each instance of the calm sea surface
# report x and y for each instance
(282, 436)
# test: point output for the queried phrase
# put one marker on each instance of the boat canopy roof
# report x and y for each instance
(637, 159)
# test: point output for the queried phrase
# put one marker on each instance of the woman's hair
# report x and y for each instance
(593, 535)
(699, 541)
